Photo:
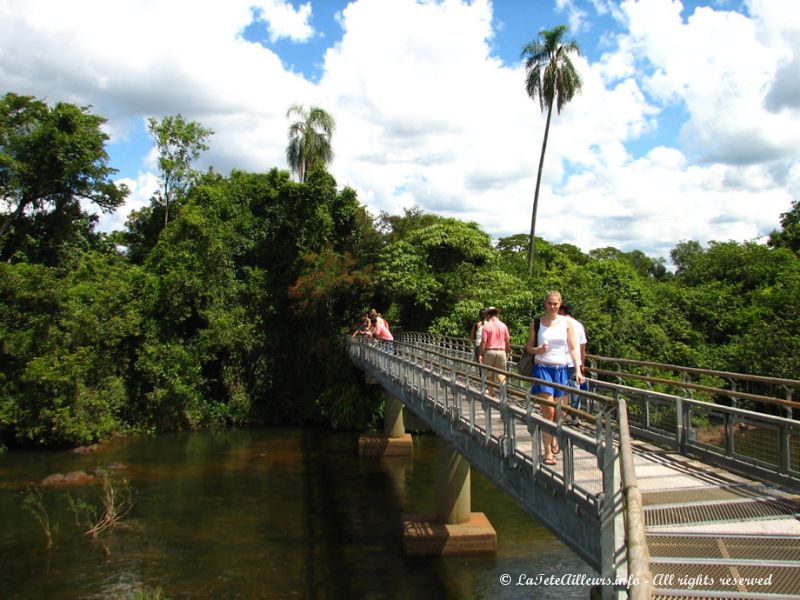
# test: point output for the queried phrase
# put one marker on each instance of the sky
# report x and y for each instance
(687, 126)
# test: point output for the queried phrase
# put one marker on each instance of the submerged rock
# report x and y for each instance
(86, 449)
(71, 478)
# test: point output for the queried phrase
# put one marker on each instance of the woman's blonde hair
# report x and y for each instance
(555, 294)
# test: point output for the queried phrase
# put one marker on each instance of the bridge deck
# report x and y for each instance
(711, 533)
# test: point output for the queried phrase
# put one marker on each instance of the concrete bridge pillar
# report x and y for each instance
(454, 529)
(452, 486)
(393, 422)
(394, 441)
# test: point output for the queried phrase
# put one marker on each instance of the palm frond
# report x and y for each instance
(309, 140)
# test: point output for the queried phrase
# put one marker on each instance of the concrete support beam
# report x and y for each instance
(393, 424)
(453, 499)
(454, 529)
(394, 441)
(423, 535)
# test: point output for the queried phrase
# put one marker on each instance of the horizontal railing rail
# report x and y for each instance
(689, 386)
(789, 387)
(757, 444)
(776, 381)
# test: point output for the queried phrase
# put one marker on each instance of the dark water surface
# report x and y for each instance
(260, 514)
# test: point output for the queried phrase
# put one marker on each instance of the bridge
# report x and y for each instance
(665, 494)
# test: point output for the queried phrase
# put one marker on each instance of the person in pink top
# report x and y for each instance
(380, 328)
(495, 348)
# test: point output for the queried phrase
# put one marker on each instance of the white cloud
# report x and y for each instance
(576, 15)
(284, 21)
(426, 115)
(721, 65)
(655, 201)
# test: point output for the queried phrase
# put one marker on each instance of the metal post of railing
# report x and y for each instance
(789, 413)
(687, 390)
(487, 417)
(680, 430)
(729, 443)
(471, 398)
(567, 450)
(784, 450)
(456, 404)
(619, 370)
(612, 535)
(636, 542)
(733, 389)
(508, 421)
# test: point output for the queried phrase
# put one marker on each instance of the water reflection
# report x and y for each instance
(261, 514)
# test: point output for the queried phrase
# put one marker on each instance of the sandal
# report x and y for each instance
(550, 461)
(554, 447)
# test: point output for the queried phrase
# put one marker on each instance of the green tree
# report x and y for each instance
(179, 143)
(69, 336)
(553, 79)
(50, 160)
(424, 273)
(309, 140)
(685, 255)
(789, 235)
(644, 265)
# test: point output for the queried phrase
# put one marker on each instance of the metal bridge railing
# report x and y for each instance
(443, 373)
(756, 444)
(457, 386)
(757, 392)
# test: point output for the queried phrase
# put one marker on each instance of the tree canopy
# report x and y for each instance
(51, 159)
(234, 314)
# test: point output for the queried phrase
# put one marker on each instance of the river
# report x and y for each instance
(273, 513)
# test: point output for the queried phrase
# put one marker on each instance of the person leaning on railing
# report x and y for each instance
(364, 325)
(380, 330)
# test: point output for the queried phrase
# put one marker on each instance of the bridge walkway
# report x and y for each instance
(710, 532)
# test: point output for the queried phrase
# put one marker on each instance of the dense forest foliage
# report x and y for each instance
(233, 312)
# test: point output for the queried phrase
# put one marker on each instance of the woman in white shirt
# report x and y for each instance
(477, 330)
(551, 345)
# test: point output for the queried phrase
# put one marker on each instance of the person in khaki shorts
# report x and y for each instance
(495, 348)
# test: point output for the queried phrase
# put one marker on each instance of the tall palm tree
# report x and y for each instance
(552, 78)
(309, 140)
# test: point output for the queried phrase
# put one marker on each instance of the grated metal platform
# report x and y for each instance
(712, 547)
(728, 492)
(768, 508)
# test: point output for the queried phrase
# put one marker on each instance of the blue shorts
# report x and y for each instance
(552, 373)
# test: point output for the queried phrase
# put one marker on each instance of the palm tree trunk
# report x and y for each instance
(538, 184)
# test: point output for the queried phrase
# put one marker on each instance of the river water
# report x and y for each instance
(278, 513)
